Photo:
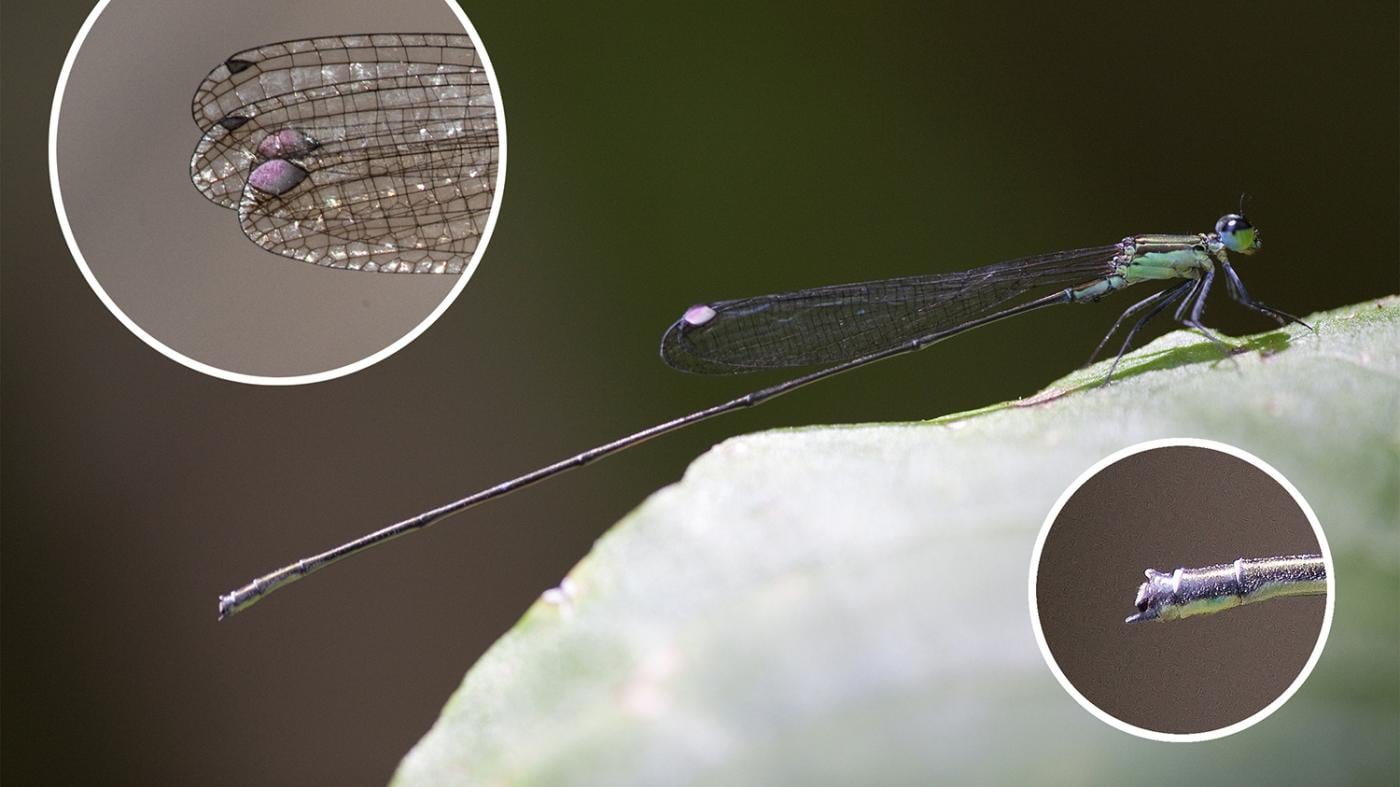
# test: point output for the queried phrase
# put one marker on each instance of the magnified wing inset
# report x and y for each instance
(373, 152)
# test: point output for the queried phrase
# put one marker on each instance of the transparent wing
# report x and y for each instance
(830, 325)
(368, 152)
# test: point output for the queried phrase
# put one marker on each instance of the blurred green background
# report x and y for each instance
(657, 157)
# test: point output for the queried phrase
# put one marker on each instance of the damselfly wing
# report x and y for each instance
(370, 152)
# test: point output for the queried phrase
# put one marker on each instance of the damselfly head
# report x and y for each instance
(1238, 234)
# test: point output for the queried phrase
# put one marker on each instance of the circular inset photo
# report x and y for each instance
(1180, 590)
(273, 192)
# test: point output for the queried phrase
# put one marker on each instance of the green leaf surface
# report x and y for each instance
(847, 605)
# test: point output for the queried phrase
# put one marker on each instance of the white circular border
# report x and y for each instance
(1264, 712)
(254, 379)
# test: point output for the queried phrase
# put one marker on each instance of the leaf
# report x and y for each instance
(840, 605)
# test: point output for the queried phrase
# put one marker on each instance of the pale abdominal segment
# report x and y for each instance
(1186, 592)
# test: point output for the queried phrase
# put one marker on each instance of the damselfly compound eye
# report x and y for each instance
(1237, 233)
(1231, 223)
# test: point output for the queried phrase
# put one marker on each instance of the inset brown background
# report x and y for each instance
(1168, 508)
(658, 157)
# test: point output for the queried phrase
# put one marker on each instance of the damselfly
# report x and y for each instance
(1186, 592)
(366, 152)
(848, 326)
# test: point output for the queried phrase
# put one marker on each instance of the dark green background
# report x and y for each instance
(658, 157)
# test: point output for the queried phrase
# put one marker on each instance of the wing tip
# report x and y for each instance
(679, 353)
